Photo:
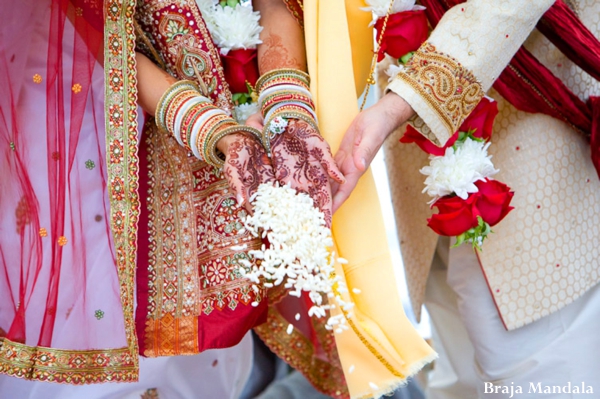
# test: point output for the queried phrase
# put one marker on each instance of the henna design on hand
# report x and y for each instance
(247, 166)
(303, 158)
(276, 55)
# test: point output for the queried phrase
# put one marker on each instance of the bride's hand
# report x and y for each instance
(256, 121)
(303, 158)
(246, 165)
(364, 138)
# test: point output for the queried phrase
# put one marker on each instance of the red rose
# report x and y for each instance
(240, 66)
(481, 119)
(405, 32)
(493, 202)
(455, 215)
(413, 136)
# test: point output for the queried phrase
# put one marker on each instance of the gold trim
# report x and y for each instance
(545, 99)
(143, 43)
(295, 349)
(451, 90)
(123, 166)
(291, 6)
(67, 366)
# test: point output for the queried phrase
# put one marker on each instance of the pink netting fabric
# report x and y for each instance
(58, 277)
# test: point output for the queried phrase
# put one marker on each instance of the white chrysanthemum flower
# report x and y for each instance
(458, 170)
(380, 7)
(298, 255)
(394, 70)
(236, 28)
(243, 112)
(208, 8)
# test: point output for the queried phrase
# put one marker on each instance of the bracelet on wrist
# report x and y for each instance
(284, 94)
(194, 121)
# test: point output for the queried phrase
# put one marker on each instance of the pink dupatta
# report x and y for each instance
(61, 313)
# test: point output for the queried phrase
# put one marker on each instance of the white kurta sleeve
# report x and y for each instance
(462, 58)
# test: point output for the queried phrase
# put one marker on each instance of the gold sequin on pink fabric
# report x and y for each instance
(43, 232)
(37, 78)
(62, 241)
(76, 88)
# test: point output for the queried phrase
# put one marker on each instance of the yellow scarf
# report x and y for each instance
(382, 349)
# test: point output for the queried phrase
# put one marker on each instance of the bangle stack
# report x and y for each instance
(283, 94)
(195, 122)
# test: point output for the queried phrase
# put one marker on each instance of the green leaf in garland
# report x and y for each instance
(476, 235)
(406, 57)
(241, 98)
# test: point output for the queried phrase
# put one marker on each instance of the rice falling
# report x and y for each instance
(299, 254)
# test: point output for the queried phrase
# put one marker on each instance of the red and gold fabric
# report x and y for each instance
(191, 296)
(195, 298)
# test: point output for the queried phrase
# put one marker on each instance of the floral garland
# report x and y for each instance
(468, 200)
(235, 29)
(459, 175)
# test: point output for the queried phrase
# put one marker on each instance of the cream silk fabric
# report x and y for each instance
(382, 349)
(543, 255)
(482, 35)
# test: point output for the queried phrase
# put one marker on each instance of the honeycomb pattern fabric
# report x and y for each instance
(543, 255)
(417, 241)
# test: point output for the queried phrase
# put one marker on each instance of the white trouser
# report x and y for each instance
(214, 374)
(475, 348)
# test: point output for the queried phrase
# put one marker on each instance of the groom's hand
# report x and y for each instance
(363, 139)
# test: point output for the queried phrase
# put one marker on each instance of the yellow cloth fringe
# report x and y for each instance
(382, 347)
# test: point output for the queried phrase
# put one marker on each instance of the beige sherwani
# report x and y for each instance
(544, 255)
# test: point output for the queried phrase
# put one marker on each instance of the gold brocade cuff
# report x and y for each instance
(439, 89)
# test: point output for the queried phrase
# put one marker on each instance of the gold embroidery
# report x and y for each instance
(67, 366)
(76, 88)
(37, 78)
(144, 45)
(296, 8)
(192, 270)
(169, 336)
(450, 89)
(151, 393)
(123, 168)
(325, 373)
(181, 37)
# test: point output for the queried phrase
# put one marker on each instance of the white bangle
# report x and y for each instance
(276, 107)
(197, 127)
(181, 113)
(283, 87)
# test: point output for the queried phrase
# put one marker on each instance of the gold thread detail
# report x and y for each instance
(450, 89)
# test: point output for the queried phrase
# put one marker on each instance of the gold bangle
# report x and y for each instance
(207, 129)
(174, 105)
(167, 97)
(213, 152)
(294, 74)
(220, 124)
